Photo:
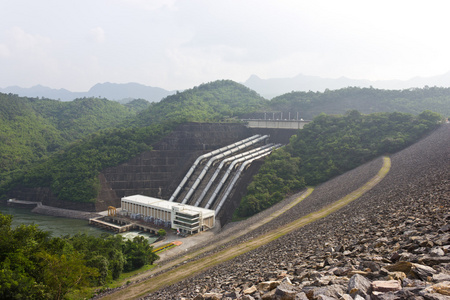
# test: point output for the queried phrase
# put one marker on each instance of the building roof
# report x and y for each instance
(167, 205)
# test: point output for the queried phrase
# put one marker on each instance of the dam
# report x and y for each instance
(158, 173)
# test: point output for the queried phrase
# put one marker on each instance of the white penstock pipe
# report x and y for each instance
(235, 178)
(228, 172)
(217, 157)
(219, 168)
(202, 157)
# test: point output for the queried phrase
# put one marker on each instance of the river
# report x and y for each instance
(59, 226)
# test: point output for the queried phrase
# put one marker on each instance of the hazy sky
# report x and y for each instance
(180, 44)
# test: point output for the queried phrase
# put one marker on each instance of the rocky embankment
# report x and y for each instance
(391, 243)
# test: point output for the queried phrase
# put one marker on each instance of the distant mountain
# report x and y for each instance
(273, 87)
(116, 91)
(43, 91)
(110, 91)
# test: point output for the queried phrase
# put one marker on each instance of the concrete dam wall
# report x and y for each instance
(157, 173)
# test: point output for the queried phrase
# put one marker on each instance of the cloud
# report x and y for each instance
(27, 58)
(31, 43)
(97, 35)
(151, 5)
(4, 51)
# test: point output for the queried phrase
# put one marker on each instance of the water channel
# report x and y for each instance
(61, 226)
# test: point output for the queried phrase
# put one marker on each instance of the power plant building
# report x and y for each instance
(184, 218)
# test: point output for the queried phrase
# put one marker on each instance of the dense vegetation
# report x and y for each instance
(34, 265)
(365, 100)
(329, 146)
(72, 172)
(216, 101)
(137, 105)
(47, 143)
(77, 118)
(32, 129)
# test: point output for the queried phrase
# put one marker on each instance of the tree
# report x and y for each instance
(61, 273)
(138, 253)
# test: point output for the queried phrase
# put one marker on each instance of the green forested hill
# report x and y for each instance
(31, 129)
(215, 101)
(25, 136)
(72, 173)
(365, 100)
(80, 117)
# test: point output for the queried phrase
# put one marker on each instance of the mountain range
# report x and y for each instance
(273, 87)
(268, 88)
(122, 92)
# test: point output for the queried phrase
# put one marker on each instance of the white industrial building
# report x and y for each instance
(185, 218)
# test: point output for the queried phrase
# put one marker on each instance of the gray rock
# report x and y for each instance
(212, 296)
(251, 290)
(401, 266)
(409, 293)
(334, 291)
(437, 251)
(385, 286)
(324, 297)
(432, 296)
(445, 228)
(373, 266)
(286, 291)
(442, 288)
(269, 295)
(441, 277)
(422, 271)
(301, 296)
(268, 285)
(384, 296)
(435, 260)
(342, 271)
(359, 285)
(231, 295)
